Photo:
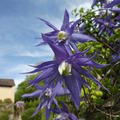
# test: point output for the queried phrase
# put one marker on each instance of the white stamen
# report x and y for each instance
(48, 92)
(65, 68)
(62, 35)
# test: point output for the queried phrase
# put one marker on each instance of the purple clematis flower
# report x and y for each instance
(64, 114)
(66, 69)
(102, 2)
(106, 25)
(67, 35)
(113, 3)
(47, 94)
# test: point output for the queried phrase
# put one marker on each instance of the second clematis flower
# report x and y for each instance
(66, 69)
(47, 95)
(67, 35)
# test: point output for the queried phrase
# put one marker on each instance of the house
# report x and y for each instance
(7, 89)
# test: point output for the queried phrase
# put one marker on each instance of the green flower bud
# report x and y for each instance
(99, 93)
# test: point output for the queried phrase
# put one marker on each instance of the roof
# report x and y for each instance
(7, 82)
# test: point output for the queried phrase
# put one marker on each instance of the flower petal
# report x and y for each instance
(39, 107)
(43, 75)
(65, 25)
(82, 37)
(49, 24)
(60, 91)
(73, 26)
(59, 50)
(47, 113)
(116, 10)
(75, 91)
(87, 74)
(34, 94)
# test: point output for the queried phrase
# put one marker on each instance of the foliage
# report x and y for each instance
(24, 88)
(8, 101)
(4, 116)
(27, 114)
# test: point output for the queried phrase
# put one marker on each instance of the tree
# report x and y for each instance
(23, 87)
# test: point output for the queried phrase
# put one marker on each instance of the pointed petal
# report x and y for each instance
(116, 10)
(59, 50)
(56, 103)
(87, 74)
(34, 94)
(73, 86)
(65, 25)
(94, 3)
(82, 37)
(47, 113)
(85, 61)
(43, 75)
(49, 24)
(64, 107)
(59, 90)
(74, 46)
(38, 108)
(73, 26)
(41, 43)
(68, 49)
(45, 64)
(94, 64)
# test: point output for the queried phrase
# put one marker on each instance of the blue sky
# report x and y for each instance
(19, 27)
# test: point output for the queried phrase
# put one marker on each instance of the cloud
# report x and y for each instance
(21, 68)
(35, 54)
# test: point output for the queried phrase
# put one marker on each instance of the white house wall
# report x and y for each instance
(7, 92)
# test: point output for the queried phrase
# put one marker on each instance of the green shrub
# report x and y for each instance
(8, 101)
(27, 115)
(4, 116)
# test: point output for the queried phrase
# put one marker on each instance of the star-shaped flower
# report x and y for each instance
(67, 34)
(47, 94)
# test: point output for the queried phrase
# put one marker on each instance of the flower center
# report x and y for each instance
(62, 36)
(48, 92)
(106, 24)
(63, 116)
(64, 68)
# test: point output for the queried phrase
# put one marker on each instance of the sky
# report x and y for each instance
(19, 28)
